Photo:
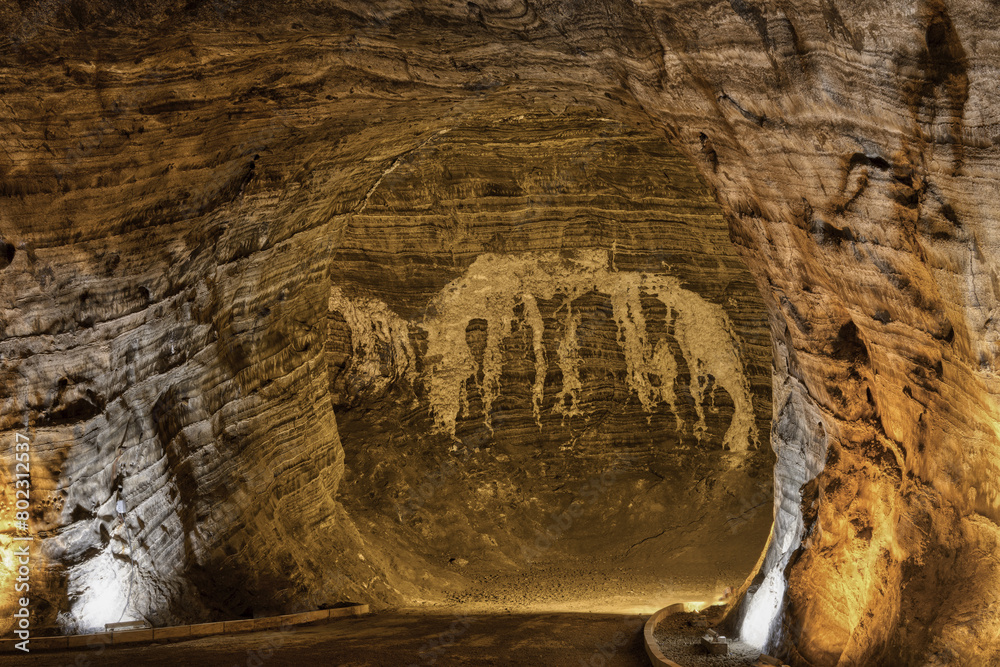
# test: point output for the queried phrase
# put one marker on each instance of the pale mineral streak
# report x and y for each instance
(381, 352)
(494, 284)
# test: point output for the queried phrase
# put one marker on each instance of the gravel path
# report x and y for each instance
(678, 639)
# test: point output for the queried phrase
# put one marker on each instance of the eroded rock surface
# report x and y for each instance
(851, 146)
(339, 336)
(585, 367)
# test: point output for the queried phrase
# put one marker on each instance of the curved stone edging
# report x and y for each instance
(653, 651)
(181, 632)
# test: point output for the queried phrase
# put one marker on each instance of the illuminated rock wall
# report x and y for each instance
(564, 302)
(854, 147)
(329, 340)
(495, 285)
(851, 145)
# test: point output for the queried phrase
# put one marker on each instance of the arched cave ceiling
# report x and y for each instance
(850, 146)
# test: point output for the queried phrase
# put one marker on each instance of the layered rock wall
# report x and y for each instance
(329, 320)
(859, 185)
(533, 303)
(851, 145)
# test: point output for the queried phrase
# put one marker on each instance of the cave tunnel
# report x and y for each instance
(515, 333)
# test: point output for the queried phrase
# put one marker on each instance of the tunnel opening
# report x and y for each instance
(544, 385)
(568, 420)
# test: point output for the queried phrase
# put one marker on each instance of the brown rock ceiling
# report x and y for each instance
(203, 201)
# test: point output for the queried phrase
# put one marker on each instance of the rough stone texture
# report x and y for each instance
(344, 325)
(511, 317)
(861, 188)
(852, 148)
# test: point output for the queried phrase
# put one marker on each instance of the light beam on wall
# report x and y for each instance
(762, 610)
(102, 597)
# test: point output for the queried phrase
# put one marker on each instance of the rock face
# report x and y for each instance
(858, 187)
(244, 155)
(508, 313)
(333, 342)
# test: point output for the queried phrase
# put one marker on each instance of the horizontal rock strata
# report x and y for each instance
(851, 146)
(331, 333)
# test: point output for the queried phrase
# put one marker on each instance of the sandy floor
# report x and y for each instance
(587, 585)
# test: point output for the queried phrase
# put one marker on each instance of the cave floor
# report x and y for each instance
(402, 637)
(602, 585)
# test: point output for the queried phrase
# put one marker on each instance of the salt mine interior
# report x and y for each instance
(503, 324)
